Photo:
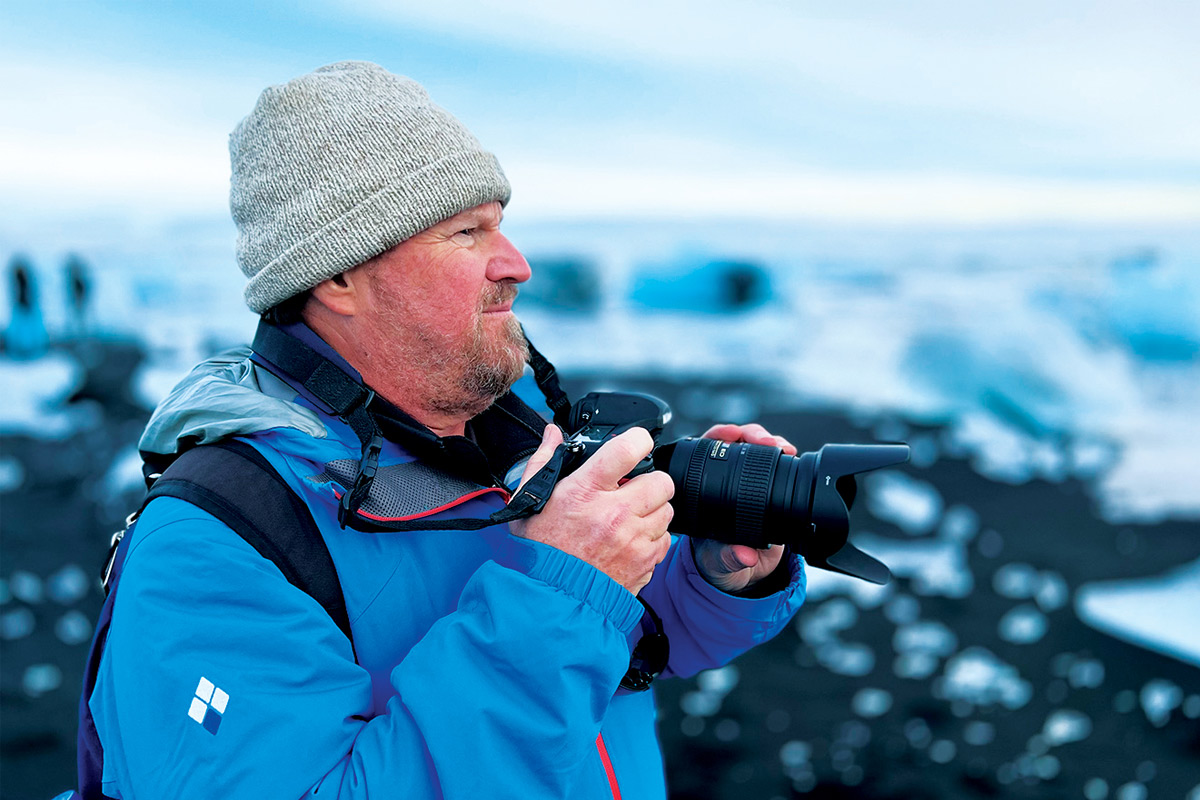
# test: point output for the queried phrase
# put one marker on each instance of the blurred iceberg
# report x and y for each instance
(1159, 613)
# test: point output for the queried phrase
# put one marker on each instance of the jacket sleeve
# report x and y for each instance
(708, 628)
(220, 679)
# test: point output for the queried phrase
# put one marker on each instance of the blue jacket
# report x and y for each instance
(487, 665)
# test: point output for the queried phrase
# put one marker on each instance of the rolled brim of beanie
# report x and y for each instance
(385, 219)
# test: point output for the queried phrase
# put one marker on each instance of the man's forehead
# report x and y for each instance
(487, 212)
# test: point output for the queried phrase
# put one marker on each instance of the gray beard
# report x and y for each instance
(485, 373)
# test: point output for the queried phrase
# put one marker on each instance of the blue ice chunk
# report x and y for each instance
(1016, 581)
(978, 676)
(1159, 697)
(16, 624)
(871, 702)
(73, 628)
(912, 505)
(1066, 725)
(979, 733)
(925, 637)
(68, 585)
(1023, 625)
(39, 679)
(26, 587)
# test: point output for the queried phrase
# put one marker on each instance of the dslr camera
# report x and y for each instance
(743, 493)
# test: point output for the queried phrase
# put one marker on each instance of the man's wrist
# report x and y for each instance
(776, 581)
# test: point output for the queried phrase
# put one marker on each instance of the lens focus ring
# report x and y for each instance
(753, 492)
(691, 483)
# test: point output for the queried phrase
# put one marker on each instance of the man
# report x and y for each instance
(483, 662)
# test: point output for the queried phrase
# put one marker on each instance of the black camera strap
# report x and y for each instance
(348, 398)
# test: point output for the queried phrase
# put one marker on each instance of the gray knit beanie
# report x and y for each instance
(340, 165)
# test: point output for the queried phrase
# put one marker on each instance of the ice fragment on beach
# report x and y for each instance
(902, 609)
(1086, 673)
(823, 623)
(40, 679)
(925, 637)
(924, 450)
(1131, 791)
(1159, 697)
(936, 567)
(1046, 767)
(16, 624)
(871, 702)
(124, 475)
(1052, 592)
(1158, 613)
(1015, 581)
(942, 751)
(916, 666)
(68, 585)
(719, 681)
(979, 733)
(959, 524)
(12, 474)
(1191, 706)
(853, 660)
(1023, 625)
(1095, 789)
(978, 676)
(26, 587)
(914, 506)
(73, 628)
(1066, 725)
(700, 704)
(795, 753)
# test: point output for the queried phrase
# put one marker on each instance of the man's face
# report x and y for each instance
(440, 307)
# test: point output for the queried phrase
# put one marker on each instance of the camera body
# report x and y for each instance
(743, 493)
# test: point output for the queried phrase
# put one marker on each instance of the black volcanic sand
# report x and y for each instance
(62, 514)
(783, 694)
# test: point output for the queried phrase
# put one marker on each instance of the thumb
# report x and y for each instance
(551, 438)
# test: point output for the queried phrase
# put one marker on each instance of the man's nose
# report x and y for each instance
(506, 262)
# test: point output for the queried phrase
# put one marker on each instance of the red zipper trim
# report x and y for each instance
(456, 502)
(608, 767)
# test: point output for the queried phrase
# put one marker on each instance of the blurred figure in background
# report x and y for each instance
(79, 290)
(26, 336)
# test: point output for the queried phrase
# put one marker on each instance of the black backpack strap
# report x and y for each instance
(237, 485)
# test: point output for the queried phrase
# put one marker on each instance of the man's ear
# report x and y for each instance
(343, 293)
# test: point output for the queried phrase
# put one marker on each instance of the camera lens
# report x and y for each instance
(752, 494)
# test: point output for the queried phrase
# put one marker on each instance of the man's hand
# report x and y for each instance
(735, 568)
(618, 528)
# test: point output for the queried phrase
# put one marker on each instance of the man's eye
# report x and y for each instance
(467, 232)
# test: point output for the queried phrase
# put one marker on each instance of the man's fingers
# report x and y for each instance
(647, 493)
(616, 458)
(752, 433)
(658, 520)
(551, 438)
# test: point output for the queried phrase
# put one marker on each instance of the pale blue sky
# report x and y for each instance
(930, 111)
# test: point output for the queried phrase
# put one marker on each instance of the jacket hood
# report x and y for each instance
(226, 395)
